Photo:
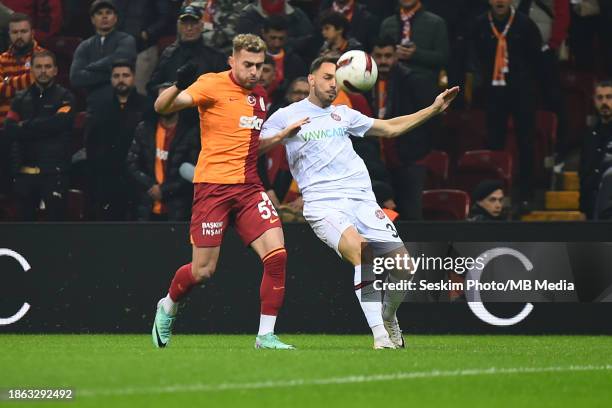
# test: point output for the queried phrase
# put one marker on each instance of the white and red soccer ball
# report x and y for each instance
(356, 71)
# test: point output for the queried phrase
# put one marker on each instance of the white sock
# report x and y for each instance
(170, 307)
(379, 331)
(266, 324)
(371, 310)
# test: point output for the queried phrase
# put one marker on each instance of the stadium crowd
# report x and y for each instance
(80, 140)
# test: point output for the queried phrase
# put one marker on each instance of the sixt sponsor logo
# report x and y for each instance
(250, 122)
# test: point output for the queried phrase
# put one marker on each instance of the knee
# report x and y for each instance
(202, 272)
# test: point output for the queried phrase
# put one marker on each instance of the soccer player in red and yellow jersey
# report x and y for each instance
(232, 108)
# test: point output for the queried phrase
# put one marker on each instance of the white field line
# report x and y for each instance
(201, 387)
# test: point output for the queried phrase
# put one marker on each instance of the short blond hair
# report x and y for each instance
(248, 42)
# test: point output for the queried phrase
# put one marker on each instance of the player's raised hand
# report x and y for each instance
(186, 75)
(444, 100)
(294, 128)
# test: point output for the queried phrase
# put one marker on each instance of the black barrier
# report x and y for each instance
(59, 278)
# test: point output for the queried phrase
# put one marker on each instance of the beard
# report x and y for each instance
(21, 46)
(123, 90)
(245, 83)
(325, 97)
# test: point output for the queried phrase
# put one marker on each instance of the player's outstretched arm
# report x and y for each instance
(265, 144)
(402, 124)
(174, 98)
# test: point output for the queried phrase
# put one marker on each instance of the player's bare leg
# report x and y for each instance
(350, 249)
(202, 267)
(270, 247)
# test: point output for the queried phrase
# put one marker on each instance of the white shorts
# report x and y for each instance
(329, 218)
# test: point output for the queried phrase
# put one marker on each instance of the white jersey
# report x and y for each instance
(321, 156)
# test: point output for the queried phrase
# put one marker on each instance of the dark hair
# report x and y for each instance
(123, 63)
(604, 83)
(382, 42)
(485, 188)
(42, 54)
(316, 64)
(276, 23)
(338, 20)
(269, 60)
(294, 82)
(19, 17)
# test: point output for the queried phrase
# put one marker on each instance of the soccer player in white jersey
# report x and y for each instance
(339, 203)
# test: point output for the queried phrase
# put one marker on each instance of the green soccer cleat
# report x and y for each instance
(162, 327)
(271, 341)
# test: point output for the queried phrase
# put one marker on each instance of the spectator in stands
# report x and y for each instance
(297, 90)
(596, 159)
(507, 47)
(15, 63)
(590, 34)
(40, 124)
(288, 64)
(189, 47)
(422, 44)
(219, 19)
(488, 199)
(364, 25)
(15, 73)
(146, 21)
(552, 18)
(269, 83)
(252, 19)
(394, 95)
(335, 29)
(46, 15)
(93, 58)
(161, 145)
(112, 118)
(459, 16)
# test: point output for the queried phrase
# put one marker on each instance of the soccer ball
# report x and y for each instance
(356, 71)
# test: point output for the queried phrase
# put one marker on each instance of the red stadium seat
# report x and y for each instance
(478, 165)
(436, 163)
(543, 145)
(8, 209)
(445, 205)
(76, 205)
(577, 87)
(465, 130)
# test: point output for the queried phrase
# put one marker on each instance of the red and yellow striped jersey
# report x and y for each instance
(14, 76)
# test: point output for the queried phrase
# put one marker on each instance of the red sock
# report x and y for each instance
(272, 289)
(182, 283)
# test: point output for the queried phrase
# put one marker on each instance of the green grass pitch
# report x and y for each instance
(326, 371)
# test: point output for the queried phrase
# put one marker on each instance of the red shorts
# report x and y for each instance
(215, 206)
